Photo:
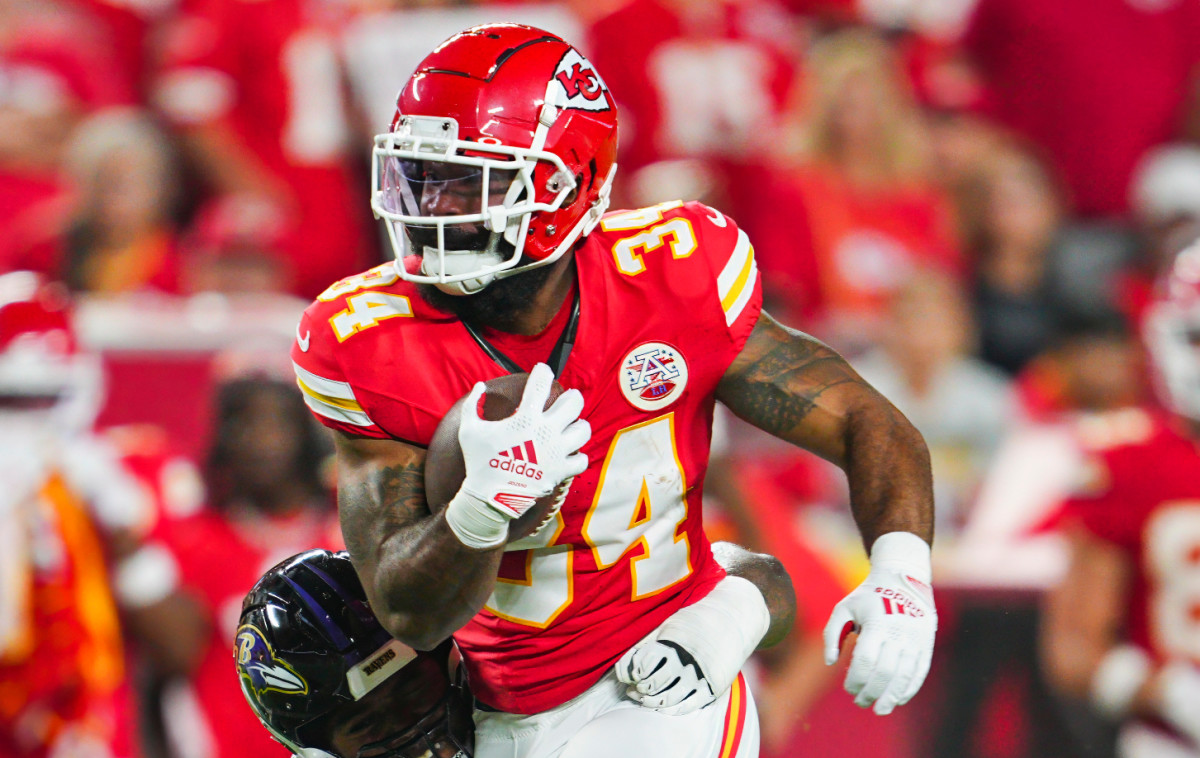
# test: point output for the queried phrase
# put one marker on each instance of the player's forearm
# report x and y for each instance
(423, 583)
(768, 574)
(888, 470)
(427, 585)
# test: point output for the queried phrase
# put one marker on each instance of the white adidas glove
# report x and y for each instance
(896, 620)
(694, 656)
(1179, 699)
(498, 487)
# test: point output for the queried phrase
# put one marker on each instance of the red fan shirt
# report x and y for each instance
(269, 70)
(1097, 83)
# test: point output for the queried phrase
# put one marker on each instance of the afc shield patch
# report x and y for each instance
(259, 669)
(653, 376)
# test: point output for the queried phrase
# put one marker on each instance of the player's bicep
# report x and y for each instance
(794, 387)
(381, 493)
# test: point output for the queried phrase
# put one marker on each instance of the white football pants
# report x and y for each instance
(603, 722)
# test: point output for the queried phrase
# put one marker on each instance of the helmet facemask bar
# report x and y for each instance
(426, 141)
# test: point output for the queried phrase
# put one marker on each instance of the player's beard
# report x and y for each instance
(498, 305)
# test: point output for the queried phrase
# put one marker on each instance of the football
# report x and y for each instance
(444, 465)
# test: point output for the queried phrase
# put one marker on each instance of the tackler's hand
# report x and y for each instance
(694, 656)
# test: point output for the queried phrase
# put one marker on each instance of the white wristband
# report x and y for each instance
(476, 524)
(1118, 677)
(903, 552)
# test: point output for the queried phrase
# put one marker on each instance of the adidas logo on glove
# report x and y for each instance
(520, 459)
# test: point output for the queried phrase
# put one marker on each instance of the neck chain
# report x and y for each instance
(558, 356)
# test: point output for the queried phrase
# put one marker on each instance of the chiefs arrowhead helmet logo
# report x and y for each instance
(581, 85)
(580, 81)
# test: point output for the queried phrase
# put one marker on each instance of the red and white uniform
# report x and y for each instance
(706, 81)
(1144, 498)
(62, 656)
(668, 296)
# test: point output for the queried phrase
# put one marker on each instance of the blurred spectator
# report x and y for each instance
(54, 71)
(701, 85)
(268, 498)
(1094, 82)
(1093, 369)
(962, 406)
(255, 89)
(73, 549)
(862, 212)
(235, 246)
(1011, 220)
(116, 234)
(127, 27)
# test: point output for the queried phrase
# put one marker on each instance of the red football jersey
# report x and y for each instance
(1143, 496)
(668, 296)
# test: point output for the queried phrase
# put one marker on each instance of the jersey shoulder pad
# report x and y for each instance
(337, 331)
(1120, 449)
(1121, 430)
(706, 246)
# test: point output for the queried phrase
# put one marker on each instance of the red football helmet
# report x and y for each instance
(1172, 333)
(41, 365)
(500, 157)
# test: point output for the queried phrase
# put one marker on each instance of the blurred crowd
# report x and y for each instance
(971, 199)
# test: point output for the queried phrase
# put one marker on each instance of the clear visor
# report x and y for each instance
(432, 190)
(463, 206)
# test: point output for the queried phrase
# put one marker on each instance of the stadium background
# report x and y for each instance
(970, 198)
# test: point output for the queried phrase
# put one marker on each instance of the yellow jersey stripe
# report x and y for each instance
(743, 298)
(337, 402)
(735, 289)
(733, 265)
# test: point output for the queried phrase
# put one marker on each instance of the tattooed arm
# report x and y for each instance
(423, 583)
(798, 389)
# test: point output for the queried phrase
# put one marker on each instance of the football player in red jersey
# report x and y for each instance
(611, 627)
(80, 572)
(1123, 627)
